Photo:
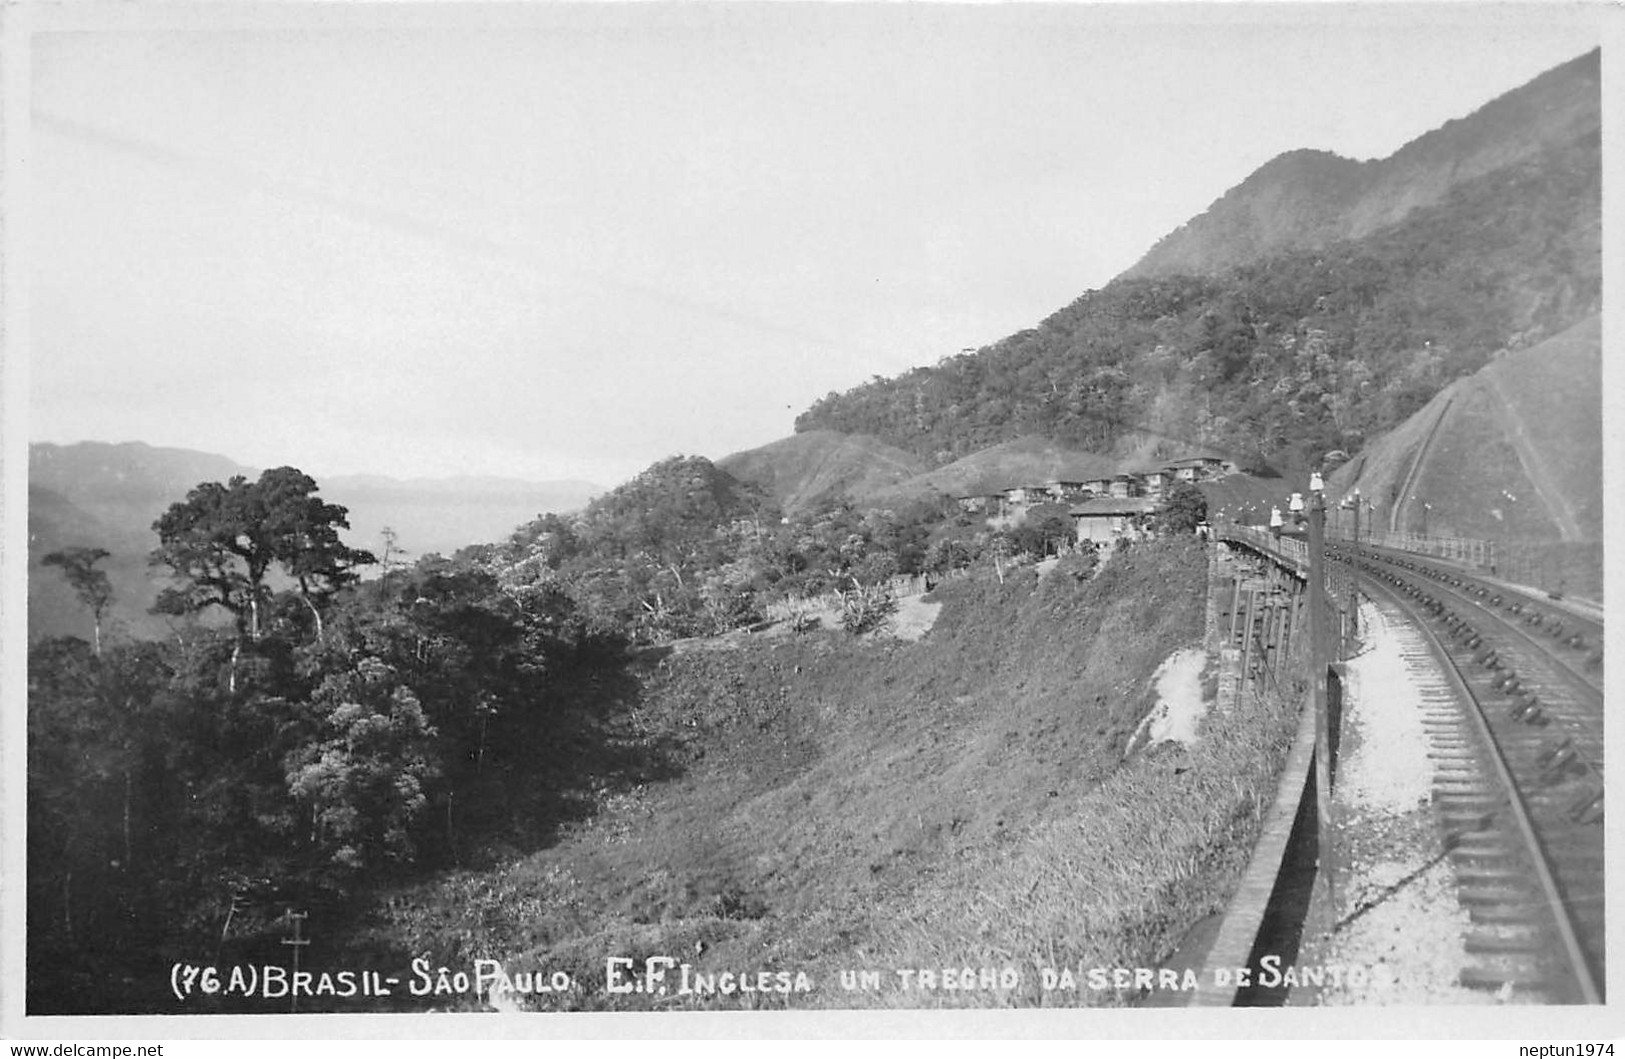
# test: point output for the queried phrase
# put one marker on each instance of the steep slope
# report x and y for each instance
(1021, 461)
(1284, 358)
(1306, 199)
(802, 470)
(963, 800)
(1510, 454)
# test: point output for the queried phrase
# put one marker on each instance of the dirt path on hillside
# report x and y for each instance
(1534, 466)
(914, 618)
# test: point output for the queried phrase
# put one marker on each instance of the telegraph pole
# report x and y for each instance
(297, 942)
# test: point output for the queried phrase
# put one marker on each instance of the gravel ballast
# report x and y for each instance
(1397, 915)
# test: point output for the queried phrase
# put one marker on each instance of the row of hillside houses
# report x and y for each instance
(1147, 482)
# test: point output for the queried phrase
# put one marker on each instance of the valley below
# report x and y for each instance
(840, 810)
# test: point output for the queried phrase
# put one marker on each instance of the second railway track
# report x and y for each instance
(1515, 726)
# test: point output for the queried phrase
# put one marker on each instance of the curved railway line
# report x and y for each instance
(1513, 707)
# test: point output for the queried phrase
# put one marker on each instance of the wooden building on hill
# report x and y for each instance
(1201, 467)
(1106, 519)
(1126, 484)
(1154, 481)
(1066, 491)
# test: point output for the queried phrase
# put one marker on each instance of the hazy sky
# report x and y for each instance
(567, 241)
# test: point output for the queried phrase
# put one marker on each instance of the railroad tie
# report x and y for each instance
(1494, 979)
(1510, 939)
(1488, 875)
(1557, 755)
(1497, 913)
(1479, 852)
(1466, 823)
(1482, 801)
(1588, 808)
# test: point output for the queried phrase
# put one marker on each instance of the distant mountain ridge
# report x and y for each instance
(1309, 198)
(1276, 356)
(106, 495)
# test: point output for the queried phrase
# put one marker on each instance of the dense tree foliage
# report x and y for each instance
(339, 733)
(1282, 358)
(222, 541)
(335, 734)
(686, 549)
(1184, 509)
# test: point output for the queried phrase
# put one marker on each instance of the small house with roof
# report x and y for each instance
(1127, 484)
(1185, 470)
(1019, 498)
(1201, 467)
(1107, 519)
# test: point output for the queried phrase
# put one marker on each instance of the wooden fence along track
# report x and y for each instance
(1512, 689)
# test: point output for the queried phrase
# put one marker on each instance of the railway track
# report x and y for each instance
(1512, 700)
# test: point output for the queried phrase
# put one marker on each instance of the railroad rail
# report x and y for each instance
(1515, 727)
(1512, 699)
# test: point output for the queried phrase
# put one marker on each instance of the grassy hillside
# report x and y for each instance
(1020, 461)
(1551, 398)
(805, 469)
(1511, 454)
(874, 804)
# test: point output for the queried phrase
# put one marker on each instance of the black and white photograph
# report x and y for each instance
(786, 519)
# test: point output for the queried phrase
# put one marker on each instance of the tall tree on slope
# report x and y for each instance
(222, 541)
(89, 584)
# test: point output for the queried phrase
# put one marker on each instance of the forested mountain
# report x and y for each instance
(1305, 350)
(1306, 199)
